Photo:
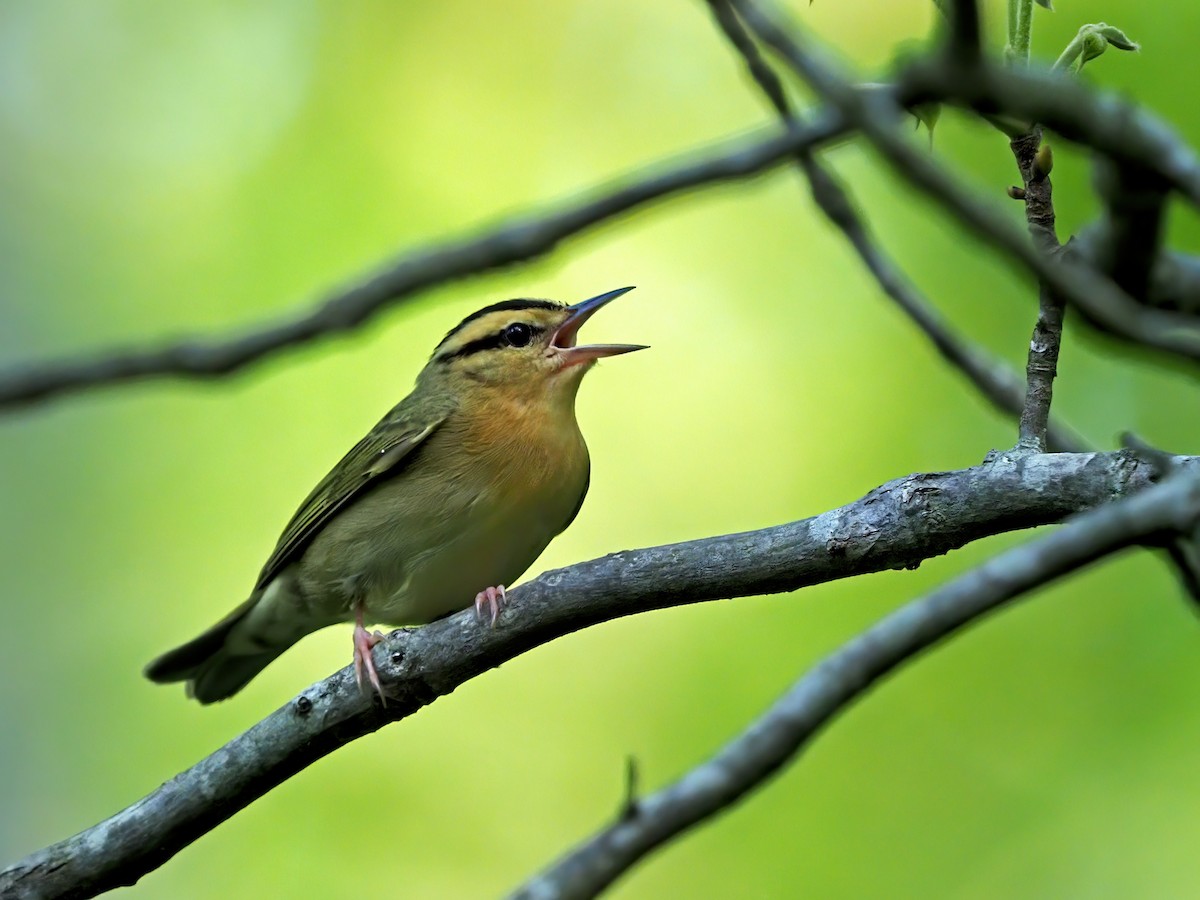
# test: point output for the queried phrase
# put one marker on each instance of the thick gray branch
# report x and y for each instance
(895, 526)
(775, 739)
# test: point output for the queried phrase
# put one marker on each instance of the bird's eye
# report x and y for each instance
(518, 334)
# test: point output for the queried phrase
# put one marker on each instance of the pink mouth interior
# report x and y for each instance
(566, 335)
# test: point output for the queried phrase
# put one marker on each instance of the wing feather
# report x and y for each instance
(380, 453)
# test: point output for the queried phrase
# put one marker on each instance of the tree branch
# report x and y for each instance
(1113, 126)
(964, 39)
(1131, 229)
(895, 526)
(519, 239)
(990, 375)
(1103, 302)
(832, 685)
(1174, 278)
(1033, 162)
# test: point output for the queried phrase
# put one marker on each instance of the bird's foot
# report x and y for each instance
(364, 642)
(494, 598)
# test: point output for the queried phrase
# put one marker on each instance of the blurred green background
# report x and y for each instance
(202, 166)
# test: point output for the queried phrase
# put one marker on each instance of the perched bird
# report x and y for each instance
(460, 487)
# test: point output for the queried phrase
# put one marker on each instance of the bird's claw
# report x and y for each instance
(494, 598)
(364, 642)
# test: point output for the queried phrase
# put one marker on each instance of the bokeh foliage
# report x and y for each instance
(170, 168)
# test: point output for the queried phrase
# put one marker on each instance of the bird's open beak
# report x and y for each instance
(564, 338)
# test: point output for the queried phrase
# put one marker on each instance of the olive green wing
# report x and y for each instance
(381, 453)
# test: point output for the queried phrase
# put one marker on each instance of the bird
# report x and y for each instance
(453, 494)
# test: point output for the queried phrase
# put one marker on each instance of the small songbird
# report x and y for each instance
(460, 487)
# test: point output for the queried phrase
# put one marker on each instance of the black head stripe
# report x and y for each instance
(502, 306)
(489, 342)
(492, 341)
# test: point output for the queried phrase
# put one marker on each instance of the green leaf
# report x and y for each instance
(1045, 4)
(1094, 45)
(1116, 37)
(1091, 41)
(927, 114)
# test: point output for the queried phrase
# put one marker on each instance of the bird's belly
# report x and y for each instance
(490, 551)
(409, 564)
(492, 543)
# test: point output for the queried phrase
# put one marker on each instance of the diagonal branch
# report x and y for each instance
(1103, 120)
(520, 239)
(991, 376)
(774, 740)
(1097, 296)
(1174, 280)
(895, 526)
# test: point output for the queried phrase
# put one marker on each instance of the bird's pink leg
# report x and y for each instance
(364, 641)
(494, 597)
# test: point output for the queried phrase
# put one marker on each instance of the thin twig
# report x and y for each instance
(991, 376)
(895, 526)
(1032, 158)
(1019, 33)
(1033, 432)
(775, 739)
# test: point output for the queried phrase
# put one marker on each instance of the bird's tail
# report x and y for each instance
(213, 666)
